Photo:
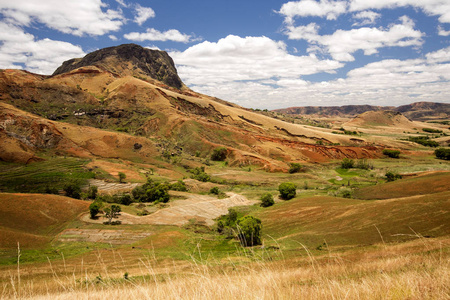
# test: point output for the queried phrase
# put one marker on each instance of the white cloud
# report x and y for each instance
(305, 8)
(439, 8)
(113, 37)
(235, 58)
(38, 56)
(143, 14)
(367, 17)
(443, 32)
(155, 35)
(380, 83)
(342, 43)
(79, 17)
(122, 3)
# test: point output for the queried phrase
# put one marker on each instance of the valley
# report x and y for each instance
(369, 217)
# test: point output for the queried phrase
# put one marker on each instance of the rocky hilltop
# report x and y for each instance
(129, 59)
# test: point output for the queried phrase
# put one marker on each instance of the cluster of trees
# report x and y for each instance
(391, 153)
(247, 229)
(442, 153)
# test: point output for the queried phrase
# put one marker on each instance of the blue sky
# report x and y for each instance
(258, 54)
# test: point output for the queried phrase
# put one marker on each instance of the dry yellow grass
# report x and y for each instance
(413, 270)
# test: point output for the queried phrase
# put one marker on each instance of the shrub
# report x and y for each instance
(391, 176)
(178, 186)
(215, 190)
(200, 174)
(122, 177)
(391, 153)
(249, 231)
(151, 192)
(287, 190)
(442, 153)
(431, 130)
(219, 154)
(347, 163)
(94, 209)
(72, 190)
(295, 168)
(267, 200)
(125, 199)
(92, 192)
(423, 140)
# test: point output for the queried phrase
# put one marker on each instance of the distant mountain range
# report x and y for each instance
(418, 111)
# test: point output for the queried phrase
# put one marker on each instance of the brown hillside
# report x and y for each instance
(34, 219)
(381, 118)
(96, 96)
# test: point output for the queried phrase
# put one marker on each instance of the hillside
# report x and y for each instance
(418, 111)
(381, 118)
(115, 89)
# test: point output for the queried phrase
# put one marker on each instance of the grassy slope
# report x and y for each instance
(34, 219)
(349, 222)
(428, 184)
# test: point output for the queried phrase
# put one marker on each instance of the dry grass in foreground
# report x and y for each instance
(413, 270)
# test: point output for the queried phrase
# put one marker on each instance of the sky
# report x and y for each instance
(262, 54)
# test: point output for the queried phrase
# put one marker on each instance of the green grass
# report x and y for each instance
(52, 173)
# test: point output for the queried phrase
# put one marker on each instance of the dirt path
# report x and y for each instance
(110, 236)
(200, 207)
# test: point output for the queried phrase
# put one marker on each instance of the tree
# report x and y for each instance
(112, 212)
(267, 200)
(347, 163)
(219, 154)
(122, 177)
(94, 209)
(287, 190)
(442, 153)
(72, 190)
(391, 176)
(125, 199)
(295, 168)
(249, 231)
(92, 192)
(391, 153)
(151, 192)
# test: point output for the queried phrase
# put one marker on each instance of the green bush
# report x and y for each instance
(442, 153)
(347, 163)
(200, 174)
(122, 177)
(391, 153)
(125, 199)
(431, 130)
(219, 154)
(287, 190)
(94, 209)
(73, 190)
(178, 186)
(151, 192)
(249, 231)
(214, 190)
(423, 140)
(364, 164)
(267, 200)
(391, 176)
(92, 192)
(295, 168)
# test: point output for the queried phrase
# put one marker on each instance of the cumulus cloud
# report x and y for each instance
(79, 17)
(235, 58)
(143, 14)
(443, 32)
(379, 83)
(366, 17)
(343, 43)
(39, 56)
(155, 35)
(306, 8)
(439, 8)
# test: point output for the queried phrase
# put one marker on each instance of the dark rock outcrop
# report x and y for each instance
(129, 59)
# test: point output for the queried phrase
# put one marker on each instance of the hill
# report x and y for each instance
(115, 89)
(380, 118)
(33, 220)
(418, 111)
